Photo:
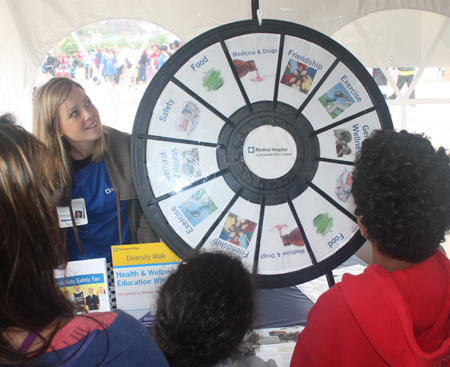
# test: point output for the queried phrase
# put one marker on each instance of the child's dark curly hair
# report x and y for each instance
(401, 188)
(204, 310)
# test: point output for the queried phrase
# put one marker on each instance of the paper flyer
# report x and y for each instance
(85, 282)
(139, 271)
(276, 345)
(276, 355)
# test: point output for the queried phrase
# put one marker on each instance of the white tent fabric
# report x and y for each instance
(29, 28)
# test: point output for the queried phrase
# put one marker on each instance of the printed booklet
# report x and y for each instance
(85, 282)
(139, 271)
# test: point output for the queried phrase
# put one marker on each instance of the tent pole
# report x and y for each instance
(427, 57)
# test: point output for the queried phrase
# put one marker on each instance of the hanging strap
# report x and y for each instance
(75, 230)
(118, 216)
(29, 340)
(72, 358)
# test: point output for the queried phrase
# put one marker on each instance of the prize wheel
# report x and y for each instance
(244, 141)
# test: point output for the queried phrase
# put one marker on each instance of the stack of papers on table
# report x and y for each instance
(316, 287)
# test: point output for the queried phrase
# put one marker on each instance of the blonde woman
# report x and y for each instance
(91, 162)
(38, 323)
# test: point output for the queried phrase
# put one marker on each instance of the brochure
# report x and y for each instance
(139, 271)
(85, 282)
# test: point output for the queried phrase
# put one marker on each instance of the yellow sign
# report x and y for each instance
(141, 254)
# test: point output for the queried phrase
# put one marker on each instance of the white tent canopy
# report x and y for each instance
(29, 28)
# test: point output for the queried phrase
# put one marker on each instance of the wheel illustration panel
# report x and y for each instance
(255, 59)
(179, 116)
(208, 74)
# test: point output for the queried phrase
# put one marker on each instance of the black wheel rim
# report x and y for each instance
(194, 150)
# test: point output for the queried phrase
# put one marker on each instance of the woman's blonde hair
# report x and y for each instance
(47, 129)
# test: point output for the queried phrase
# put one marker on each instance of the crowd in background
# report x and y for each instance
(116, 66)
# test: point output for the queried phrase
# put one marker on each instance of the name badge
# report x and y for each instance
(79, 212)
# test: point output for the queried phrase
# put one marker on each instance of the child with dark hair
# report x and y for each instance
(8, 118)
(397, 313)
(205, 309)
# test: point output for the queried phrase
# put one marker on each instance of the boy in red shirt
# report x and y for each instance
(397, 312)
